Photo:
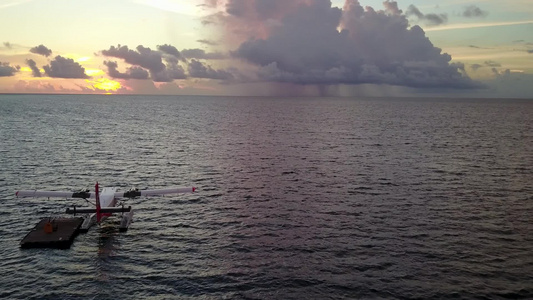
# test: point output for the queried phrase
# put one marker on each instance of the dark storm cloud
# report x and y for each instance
(201, 54)
(7, 70)
(41, 50)
(429, 19)
(199, 70)
(306, 47)
(62, 67)
(473, 11)
(34, 69)
(530, 51)
(132, 73)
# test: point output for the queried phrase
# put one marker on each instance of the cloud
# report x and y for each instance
(492, 63)
(249, 18)
(151, 60)
(260, 9)
(41, 50)
(7, 70)
(172, 71)
(475, 67)
(34, 69)
(488, 63)
(11, 46)
(199, 70)
(207, 42)
(392, 7)
(143, 57)
(530, 51)
(171, 50)
(132, 73)
(210, 3)
(478, 47)
(39, 86)
(511, 85)
(473, 11)
(505, 72)
(62, 67)
(306, 47)
(429, 19)
(201, 54)
(412, 10)
(478, 25)
(36, 87)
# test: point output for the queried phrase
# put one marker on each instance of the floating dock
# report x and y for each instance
(56, 233)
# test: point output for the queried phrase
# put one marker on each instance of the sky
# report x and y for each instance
(445, 48)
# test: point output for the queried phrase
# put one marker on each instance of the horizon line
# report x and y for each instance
(259, 96)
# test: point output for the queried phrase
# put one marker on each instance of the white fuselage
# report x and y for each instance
(107, 197)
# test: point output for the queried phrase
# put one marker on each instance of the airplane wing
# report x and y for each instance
(139, 193)
(55, 194)
(90, 195)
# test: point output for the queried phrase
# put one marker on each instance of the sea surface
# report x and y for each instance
(298, 198)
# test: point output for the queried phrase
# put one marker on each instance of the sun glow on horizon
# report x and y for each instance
(104, 84)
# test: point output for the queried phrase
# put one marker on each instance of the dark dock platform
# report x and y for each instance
(56, 233)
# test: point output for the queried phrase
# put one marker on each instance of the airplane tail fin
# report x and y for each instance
(98, 207)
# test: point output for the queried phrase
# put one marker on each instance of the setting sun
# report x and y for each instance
(104, 84)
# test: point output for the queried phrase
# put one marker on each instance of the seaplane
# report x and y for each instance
(106, 202)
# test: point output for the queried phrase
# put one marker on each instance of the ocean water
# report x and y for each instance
(298, 198)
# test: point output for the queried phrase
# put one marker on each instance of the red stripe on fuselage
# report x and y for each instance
(97, 195)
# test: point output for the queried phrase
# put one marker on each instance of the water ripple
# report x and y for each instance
(298, 198)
